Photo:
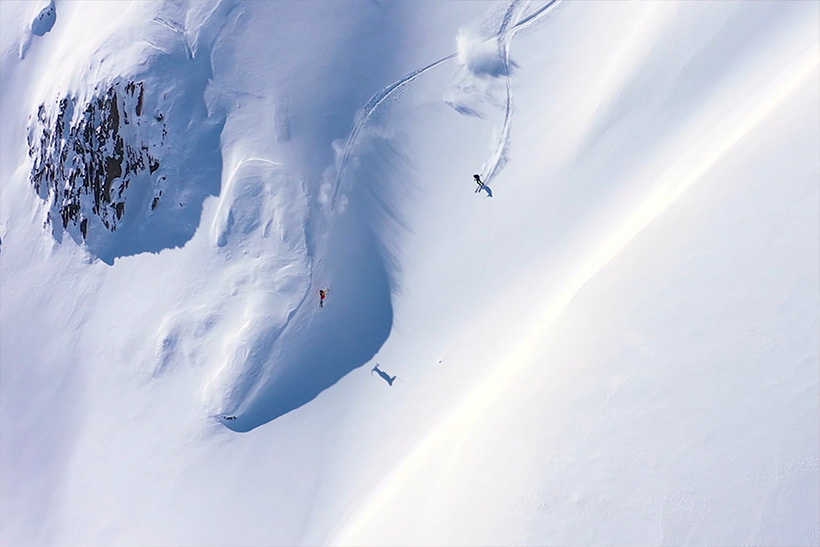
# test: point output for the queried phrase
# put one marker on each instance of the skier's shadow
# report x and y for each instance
(487, 188)
(386, 377)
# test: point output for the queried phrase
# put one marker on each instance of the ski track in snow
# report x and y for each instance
(367, 110)
(534, 16)
(504, 36)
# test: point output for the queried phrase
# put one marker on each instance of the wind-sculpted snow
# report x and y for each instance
(277, 243)
(287, 350)
(262, 214)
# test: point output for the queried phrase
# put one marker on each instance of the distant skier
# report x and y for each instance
(387, 378)
(480, 184)
(322, 296)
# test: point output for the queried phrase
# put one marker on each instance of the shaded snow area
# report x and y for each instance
(614, 341)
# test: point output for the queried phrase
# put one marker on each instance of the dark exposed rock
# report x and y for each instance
(83, 163)
(139, 101)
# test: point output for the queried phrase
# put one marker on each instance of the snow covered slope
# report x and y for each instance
(615, 343)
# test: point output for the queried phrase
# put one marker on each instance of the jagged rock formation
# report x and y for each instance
(124, 148)
(86, 156)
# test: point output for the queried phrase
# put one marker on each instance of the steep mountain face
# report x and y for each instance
(619, 346)
(85, 158)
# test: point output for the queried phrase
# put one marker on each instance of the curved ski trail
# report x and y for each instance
(364, 115)
(505, 34)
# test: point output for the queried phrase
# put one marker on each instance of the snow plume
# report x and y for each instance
(481, 57)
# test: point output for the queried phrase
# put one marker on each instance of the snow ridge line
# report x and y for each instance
(367, 110)
(504, 37)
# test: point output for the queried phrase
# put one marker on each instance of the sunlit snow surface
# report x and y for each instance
(620, 346)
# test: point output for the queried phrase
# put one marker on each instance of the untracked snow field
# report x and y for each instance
(615, 342)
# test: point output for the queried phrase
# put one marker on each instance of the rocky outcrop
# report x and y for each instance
(86, 156)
